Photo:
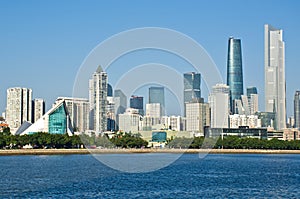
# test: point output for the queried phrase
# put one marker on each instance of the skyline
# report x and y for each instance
(41, 38)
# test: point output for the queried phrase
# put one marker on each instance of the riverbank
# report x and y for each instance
(127, 151)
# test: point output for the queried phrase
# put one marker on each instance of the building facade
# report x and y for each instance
(98, 100)
(18, 107)
(234, 71)
(197, 116)
(38, 109)
(137, 102)
(297, 110)
(275, 94)
(192, 87)
(219, 106)
(78, 110)
(157, 95)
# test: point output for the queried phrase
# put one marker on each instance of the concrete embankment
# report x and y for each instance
(127, 151)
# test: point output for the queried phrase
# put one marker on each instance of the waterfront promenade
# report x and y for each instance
(127, 151)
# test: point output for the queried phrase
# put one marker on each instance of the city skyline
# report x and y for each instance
(46, 50)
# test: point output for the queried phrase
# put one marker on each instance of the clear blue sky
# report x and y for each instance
(43, 43)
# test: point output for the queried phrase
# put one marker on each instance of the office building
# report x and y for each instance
(78, 110)
(18, 107)
(38, 109)
(275, 94)
(98, 100)
(157, 95)
(130, 121)
(234, 71)
(192, 87)
(137, 102)
(109, 90)
(219, 106)
(297, 110)
(120, 100)
(197, 116)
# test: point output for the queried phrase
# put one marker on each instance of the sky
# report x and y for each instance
(44, 43)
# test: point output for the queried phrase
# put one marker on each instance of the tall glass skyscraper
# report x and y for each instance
(157, 95)
(192, 84)
(234, 70)
(297, 109)
(275, 75)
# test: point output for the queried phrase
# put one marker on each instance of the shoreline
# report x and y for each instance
(11, 152)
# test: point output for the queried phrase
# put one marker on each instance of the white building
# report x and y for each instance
(275, 95)
(78, 110)
(38, 107)
(18, 107)
(174, 123)
(236, 120)
(219, 106)
(253, 104)
(197, 116)
(130, 121)
(98, 101)
(153, 110)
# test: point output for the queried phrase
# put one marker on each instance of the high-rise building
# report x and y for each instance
(251, 90)
(157, 95)
(297, 110)
(219, 106)
(252, 96)
(78, 111)
(234, 70)
(109, 90)
(275, 94)
(137, 102)
(98, 100)
(38, 109)
(18, 107)
(197, 116)
(120, 100)
(192, 88)
(130, 121)
(153, 110)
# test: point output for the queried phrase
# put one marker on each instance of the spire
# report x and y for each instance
(99, 69)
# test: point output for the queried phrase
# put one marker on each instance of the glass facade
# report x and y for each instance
(234, 70)
(109, 90)
(137, 103)
(251, 90)
(192, 84)
(159, 136)
(157, 95)
(58, 121)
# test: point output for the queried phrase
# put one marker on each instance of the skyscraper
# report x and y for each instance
(109, 90)
(38, 109)
(234, 71)
(197, 116)
(275, 97)
(98, 100)
(137, 102)
(297, 109)
(157, 95)
(120, 100)
(192, 87)
(252, 100)
(219, 104)
(19, 107)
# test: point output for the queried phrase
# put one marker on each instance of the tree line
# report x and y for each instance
(232, 142)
